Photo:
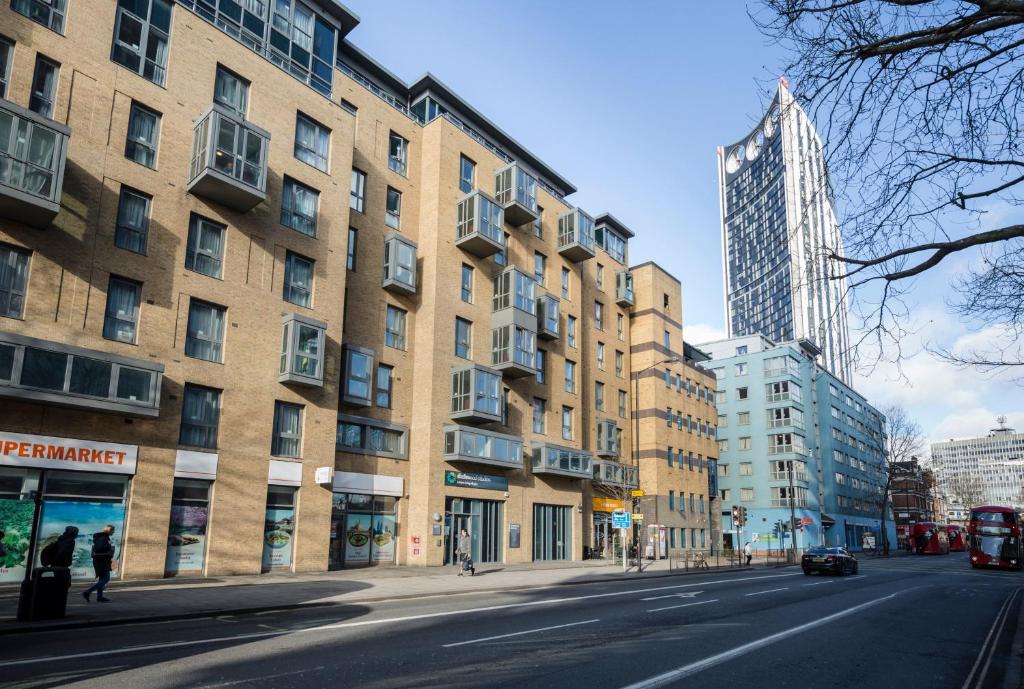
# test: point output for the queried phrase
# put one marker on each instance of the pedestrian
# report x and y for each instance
(3, 548)
(749, 552)
(64, 553)
(465, 554)
(102, 562)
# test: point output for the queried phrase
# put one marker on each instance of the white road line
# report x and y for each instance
(366, 623)
(528, 631)
(260, 679)
(688, 594)
(717, 659)
(684, 605)
(856, 576)
(819, 583)
(758, 593)
(988, 646)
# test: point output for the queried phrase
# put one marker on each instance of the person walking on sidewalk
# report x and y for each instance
(102, 561)
(749, 552)
(465, 554)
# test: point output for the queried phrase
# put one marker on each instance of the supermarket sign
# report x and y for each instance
(45, 452)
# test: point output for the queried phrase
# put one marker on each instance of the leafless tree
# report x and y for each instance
(919, 103)
(903, 442)
(967, 489)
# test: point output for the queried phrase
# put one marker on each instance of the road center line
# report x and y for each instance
(528, 631)
(717, 659)
(819, 583)
(387, 620)
(684, 605)
(856, 576)
(758, 593)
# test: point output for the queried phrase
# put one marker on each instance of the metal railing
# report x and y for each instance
(728, 558)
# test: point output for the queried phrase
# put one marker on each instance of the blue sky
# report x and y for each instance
(629, 102)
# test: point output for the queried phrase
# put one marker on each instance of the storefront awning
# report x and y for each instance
(827, 520)
(368, 484)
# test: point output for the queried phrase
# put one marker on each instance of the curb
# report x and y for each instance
(200, 614)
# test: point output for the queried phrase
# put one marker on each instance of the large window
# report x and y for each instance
(121, 318)
(44, 87)
(357, 191)
(570, 376)
(539, 406)
(516, 289)
(467, 174)
(371, 437)
(13, 281)
(132, 220)
(463, 338)
(312, 142)
(398, 154)
(6, 58)
(467, 283)
(299, 207)
(358, 371)
(200, 416)
(298, 280)
(567, 423)
(141, 37)
(49, 13)
(287, 440)
(384, 385)
(394, 334)
(231, 91)
(143, 136)
(205, 332)
(205, 251)
(393, 212)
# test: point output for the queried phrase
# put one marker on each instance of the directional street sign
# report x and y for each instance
(637, 493)
(621, 520)
(638, 516)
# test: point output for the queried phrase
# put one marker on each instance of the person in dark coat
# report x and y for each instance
(65, 547)
(102, 562)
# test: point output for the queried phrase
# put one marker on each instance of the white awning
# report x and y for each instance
(369, 484)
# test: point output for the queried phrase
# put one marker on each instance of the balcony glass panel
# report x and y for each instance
(479, 225)
(564, 461)
(576, 235)
(548, 312)
(516, 191)
(302, 350)
(467, 444)
(32, 155)
(476, 394)
(237, 151)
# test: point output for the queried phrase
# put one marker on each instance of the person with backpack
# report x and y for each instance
(102, 563)
(61, 552)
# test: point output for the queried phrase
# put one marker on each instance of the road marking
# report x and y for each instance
(856, 576)
(260, 679)
(988, 646)
(819, 583)
(366, 623)
(688, 594)
(684, 605)
(719, 658)
(528, 631)
(758, 593)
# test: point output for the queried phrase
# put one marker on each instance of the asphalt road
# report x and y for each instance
(901, 623)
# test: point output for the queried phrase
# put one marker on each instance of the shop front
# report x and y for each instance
(483, 520)
(283, 482)
(604, 542)
(191, 494)
(364, 520)
(552, 532)
(70, 482)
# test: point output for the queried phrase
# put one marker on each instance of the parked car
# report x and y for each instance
(822, 559)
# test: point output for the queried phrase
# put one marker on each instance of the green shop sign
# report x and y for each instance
(465, 479)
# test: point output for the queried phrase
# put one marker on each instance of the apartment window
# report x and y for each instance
(743, 418)
(538, 225)
(671, 456)
(49, 13)
(463, 338)
(600, 355)
(357, 191)
(693, 507)
(205, 250)
(746, 469)
(726, 494)
(13, 281)
(231, 91)
(538, 267)
(204, 338)
(44, 87)
(600, 276)
(668, 417)
(622, 404)
(121, 319)
(618, 363)
(467, 174)
(746, 494)
(599, 396)
(6, 58)
(538, 415)
(620, 325)
(298, 280)
(723, 420)
(741, 393)
(664, 300)
(287, 441)
(398, 154)
(200, 416)
(566, 423)
(672, 504)
(141, 37)
(467, 283)
(393, 212)
(565, 283)
(741, 350)
(541, 360)
(501, 258)
(384, 379)
(723, 446)
(312, 142)
(570, 330)
(353, 247)
(143, 136)
(132, 228)
(743, 443)
(394, 334)
(570, 376)
(299, 207)
(741, 369)
(358, 369)
(668, 378)
(349, 106)
(599, 315)
(668, 340)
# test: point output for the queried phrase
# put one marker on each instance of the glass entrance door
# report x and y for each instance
(551, 532)
(482, 519)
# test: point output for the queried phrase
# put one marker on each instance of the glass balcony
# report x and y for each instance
(548, 317)
(399, 264)
(561, 461)
(33, 370)
(464, 444)
(516, 192)
(33, 150)
(576, 236)
(302, 351)
(607, 438)
(476, 394)
(229, 159)
(614, 474)
(624, 288)
(480, 225)
(514, 351)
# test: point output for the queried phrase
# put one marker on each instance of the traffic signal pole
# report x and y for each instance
(792, 506)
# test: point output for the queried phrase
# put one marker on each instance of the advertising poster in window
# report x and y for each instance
(384, 538)
(90, 518)
(16, 523)
(186, 540)
(357, 538)
(278, 534)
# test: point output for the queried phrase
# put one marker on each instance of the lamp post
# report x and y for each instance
(636, 441)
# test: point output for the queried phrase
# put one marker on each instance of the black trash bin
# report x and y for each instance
(45, 595)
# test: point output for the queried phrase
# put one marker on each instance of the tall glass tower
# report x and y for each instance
(778, 225)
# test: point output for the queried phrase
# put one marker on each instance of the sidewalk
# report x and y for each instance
(168, 599)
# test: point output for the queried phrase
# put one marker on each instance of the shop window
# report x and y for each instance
(279, 529)
(186, 534)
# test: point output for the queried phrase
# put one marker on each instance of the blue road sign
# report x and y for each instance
(621, 520)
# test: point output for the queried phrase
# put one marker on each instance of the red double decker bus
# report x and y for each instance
(957, 540)
(994, 535)
(928, 538)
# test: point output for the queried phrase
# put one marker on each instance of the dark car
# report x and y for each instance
(835, 560)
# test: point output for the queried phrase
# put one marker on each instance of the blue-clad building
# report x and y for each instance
(795, 442)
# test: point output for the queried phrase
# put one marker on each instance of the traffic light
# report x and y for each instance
(737, 520)
(743, 515)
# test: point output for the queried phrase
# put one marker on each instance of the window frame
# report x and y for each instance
(107, 315)
(279, 436)
(398, 163)
(55, 8)
(123, 231)
(357, 191)
(352, 250)
(214, 340)
(466, 184)
(13, 290)
(289, 193)
(319, 132)
(138, 143)
(396, 338)
(158, 75)
(350, 352)
(290, 287)
(387, 389)
(393, 216)
(38, 99)
(197, 226)
(468, 343)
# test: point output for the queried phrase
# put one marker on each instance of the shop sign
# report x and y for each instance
(607, 505)
(324, 476)
(45, 452)
(465, 479)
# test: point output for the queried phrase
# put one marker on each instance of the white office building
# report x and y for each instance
(996, 460)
